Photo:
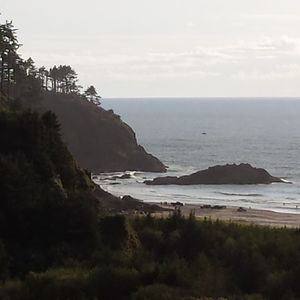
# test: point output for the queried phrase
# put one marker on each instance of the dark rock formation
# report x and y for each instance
(125, 204)
(228, 174)
(98, 139)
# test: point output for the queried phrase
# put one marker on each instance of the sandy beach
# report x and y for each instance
(249, 216)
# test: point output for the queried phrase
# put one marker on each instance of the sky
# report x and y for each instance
(166, 48)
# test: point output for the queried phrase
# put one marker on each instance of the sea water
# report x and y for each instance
(189, 135)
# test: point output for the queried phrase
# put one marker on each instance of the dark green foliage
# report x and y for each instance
(113, 282)
(112, 224)
(158, 292)
(53, 284)
(4, 263)
(216, 259)
(228, 260)
(45, 203)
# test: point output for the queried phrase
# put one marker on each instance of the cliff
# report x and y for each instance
(228, 174)
(98, 139)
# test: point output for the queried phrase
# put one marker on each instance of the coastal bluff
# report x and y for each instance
(226, 174)
(97, 138)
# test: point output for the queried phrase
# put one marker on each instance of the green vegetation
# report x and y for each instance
(42, 192)
(56, 244)
(174, 258)
(21, 82)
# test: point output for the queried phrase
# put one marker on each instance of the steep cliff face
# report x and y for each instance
(98, 139)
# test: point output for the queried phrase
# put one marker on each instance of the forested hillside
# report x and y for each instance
(97, 138)
(46, 202)
(56, 242)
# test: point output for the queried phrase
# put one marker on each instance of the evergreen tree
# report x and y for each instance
(92, 95)
(8, 47)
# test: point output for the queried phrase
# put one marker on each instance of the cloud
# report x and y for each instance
(148, 66)
(288, 71)
(263, 59)
(199, 54)
(273, 17)
(282, 45)
(190, 24)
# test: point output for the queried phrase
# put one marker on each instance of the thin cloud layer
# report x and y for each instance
(264, 59)
(194, 48)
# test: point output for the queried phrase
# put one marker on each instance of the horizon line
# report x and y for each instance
(203, 97)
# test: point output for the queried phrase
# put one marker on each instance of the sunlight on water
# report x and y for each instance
(190, 134)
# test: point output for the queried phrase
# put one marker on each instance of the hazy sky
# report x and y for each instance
(133, 48)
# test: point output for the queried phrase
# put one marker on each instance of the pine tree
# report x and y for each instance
(92, 95)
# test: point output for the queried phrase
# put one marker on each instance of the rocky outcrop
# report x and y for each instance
(98, 139)
(126, 204)
(228, 174)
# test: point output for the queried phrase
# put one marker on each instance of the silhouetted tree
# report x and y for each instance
(53, 74)
(22, 82)
(8, 47)
(19, 79)
(63, 79)
(92, 95)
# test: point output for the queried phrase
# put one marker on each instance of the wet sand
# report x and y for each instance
(249, 216)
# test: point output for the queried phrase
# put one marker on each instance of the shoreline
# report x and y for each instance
(248, 217)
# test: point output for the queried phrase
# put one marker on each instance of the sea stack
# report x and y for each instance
(227, 174)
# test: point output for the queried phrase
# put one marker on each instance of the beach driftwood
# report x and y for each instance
(227, 174)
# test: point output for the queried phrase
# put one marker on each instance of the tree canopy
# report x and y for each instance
(22, 82)
(92, 95)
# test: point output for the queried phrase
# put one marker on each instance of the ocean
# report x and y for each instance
(191, 134)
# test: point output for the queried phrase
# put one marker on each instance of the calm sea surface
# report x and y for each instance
(262, 132)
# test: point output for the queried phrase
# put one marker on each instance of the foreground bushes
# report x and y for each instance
(174, 258)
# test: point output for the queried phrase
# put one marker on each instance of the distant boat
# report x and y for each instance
(204, 133)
